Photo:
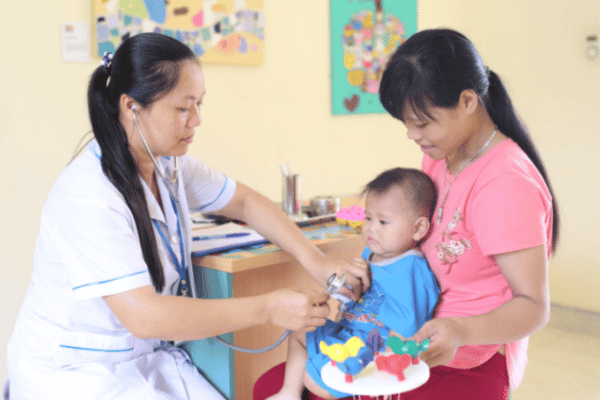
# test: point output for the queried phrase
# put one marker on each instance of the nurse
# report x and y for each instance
(102, 305)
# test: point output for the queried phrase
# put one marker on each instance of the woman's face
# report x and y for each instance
(168, 123)
(440, 137)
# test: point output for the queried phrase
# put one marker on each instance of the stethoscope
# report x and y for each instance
(172, 187)
(334, 283)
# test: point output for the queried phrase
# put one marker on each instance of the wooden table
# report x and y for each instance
(251, 272)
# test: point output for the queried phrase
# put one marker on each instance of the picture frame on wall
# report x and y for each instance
(217, 31)
(363, 35)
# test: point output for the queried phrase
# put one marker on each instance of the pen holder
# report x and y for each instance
(292, 199)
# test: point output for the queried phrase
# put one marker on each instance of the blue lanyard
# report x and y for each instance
(181, 267)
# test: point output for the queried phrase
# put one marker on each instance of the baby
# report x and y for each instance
(403, 293)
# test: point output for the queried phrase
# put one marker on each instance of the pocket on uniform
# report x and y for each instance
(86, 347)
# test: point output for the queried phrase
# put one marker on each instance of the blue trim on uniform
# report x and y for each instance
(90, 349)
(215, 200)
(109, 280)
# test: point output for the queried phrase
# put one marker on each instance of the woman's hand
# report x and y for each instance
(358, 275)
(445, 335)
(297, 311)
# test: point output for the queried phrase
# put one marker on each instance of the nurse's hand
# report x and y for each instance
(358, 275)
(445, 335)
(297, 311)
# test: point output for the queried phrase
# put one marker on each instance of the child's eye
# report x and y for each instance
(382, 222)
(182, 109)
(367, 218)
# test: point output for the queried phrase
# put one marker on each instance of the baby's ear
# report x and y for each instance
(421, 229)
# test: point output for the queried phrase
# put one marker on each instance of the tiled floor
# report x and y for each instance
(564, 359)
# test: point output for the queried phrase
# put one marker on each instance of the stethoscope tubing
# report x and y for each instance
(187, 261)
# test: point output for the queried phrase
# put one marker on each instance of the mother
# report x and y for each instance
(496, 221)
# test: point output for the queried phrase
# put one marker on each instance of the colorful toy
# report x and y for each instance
(394, 364)
(353, 217)
(375, 342)
(350, 357)
(410, 347)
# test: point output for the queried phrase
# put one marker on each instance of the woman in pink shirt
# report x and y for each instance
(496, 220)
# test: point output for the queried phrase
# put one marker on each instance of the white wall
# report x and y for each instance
(256, 118)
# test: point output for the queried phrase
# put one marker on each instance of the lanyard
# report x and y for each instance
(180, 266)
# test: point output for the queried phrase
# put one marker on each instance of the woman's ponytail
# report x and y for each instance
(503, 114)
(120, 168)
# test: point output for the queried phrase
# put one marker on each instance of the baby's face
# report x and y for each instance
(390, 223)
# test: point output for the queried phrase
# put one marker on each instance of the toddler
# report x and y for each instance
(403, 293)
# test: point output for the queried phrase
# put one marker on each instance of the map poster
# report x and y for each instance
(218, 31)
(364, 34)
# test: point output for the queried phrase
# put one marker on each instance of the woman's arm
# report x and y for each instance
(146, 314)
(270, 221)
(526, 271)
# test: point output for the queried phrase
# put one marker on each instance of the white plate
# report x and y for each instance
(372, 382)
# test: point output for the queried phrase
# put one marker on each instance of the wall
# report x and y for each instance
(256, 118)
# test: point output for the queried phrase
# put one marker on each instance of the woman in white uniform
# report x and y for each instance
(111, 253)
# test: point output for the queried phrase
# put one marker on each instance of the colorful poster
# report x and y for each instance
(364, 34)
(218, 31)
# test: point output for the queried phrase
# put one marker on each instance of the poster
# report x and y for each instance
(218, 31)
(364, 34)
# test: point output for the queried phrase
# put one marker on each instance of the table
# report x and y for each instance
(249, 272)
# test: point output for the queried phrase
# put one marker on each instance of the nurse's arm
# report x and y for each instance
(146, 314)
(270, 221)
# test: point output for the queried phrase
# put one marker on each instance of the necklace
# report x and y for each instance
(441, 207)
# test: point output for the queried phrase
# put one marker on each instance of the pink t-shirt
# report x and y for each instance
(498, 204)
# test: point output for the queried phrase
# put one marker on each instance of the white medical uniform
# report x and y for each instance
(67, 344)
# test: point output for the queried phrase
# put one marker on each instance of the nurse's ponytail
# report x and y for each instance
(120, 168)
(145, 67)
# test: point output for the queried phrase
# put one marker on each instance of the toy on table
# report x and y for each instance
(353, 217)
(350, 357)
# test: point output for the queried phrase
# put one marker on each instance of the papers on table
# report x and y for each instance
(223, 237)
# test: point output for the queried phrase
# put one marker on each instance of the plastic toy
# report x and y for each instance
(375, 342)
(410, 347)
(353, 217)
(350, 357)
(394, 364)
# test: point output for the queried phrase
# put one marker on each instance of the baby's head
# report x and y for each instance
(399, 205)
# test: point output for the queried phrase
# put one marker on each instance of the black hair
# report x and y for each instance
(432, 68)
(417, 185)
(146, 67)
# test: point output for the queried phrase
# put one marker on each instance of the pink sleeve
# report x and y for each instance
(511, 212)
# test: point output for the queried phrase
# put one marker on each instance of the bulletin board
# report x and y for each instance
(364, 34)
(218, 31)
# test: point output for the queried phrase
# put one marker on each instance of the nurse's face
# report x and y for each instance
(168, 123)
